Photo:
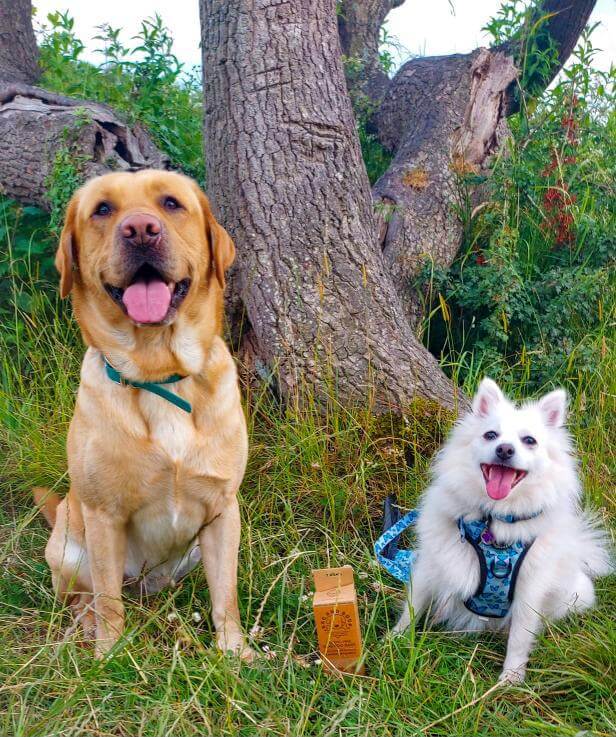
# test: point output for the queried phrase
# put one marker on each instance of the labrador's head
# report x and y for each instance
(141, 248)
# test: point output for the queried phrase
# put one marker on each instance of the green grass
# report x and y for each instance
(311, 498)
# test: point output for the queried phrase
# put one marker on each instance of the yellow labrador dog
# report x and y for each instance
(157, 446)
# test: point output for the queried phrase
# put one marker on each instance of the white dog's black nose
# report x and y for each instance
(504, 451)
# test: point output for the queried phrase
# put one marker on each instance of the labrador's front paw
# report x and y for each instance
(235, 643)
(82, 609)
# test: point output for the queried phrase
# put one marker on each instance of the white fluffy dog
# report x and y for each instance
(503, 508)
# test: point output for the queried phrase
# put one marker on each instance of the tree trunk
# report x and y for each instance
(286, 176)
(37, 126)
(18, 50)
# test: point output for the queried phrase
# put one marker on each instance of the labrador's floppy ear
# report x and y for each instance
(222, 249)
(65, 255)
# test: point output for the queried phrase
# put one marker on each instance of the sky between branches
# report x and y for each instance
(443, 28)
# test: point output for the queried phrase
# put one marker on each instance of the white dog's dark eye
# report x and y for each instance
(490, 435)
(102, 209)
(529, 440)
(170, 203)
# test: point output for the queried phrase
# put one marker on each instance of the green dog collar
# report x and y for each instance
(155, 387)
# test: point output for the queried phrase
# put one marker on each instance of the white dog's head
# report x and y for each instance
(510, 458)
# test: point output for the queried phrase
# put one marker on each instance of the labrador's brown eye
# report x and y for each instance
(170, 203)
(102, 209)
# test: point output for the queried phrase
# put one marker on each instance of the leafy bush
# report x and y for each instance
(26, 259)
(531, 296)
(146, 83)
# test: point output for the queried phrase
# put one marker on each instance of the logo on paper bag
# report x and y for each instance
(336, 622)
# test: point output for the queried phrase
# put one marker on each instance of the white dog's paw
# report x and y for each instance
(398, 629)
(402, 625)
(512, 676)
(392, 634)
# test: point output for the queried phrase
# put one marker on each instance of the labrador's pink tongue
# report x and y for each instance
(499, 481)
(147, 301)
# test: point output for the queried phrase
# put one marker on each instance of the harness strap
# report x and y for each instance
(397, 562)
(154, 387)
(498, 569)
(511, 518)
(499, 566)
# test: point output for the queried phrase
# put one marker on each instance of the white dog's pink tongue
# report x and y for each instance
(500, 480)
(147, 301)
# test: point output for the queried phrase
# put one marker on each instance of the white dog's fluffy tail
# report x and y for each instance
(596, 549)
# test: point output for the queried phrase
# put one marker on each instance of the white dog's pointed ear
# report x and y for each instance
(553, 407)
(487, 397)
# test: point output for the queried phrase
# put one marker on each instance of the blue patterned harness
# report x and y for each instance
(499, 565)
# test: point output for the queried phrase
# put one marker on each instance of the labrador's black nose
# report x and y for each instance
(141, 229)
(505, 451)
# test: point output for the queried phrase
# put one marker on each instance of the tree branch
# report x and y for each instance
(359, 27)
(558, 22)
(443, 117)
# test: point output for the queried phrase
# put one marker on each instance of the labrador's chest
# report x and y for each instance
(166, 471)
(191, 465)
(193, 470)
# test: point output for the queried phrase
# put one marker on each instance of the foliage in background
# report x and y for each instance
(145, 83)
(26, 261)
(530, 297)
(376, 157)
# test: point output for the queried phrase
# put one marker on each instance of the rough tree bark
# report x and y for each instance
(36, 124)
(443, 117)
(285, 173)
(286, 176)
(18, 50)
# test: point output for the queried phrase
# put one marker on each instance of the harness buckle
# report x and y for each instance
(501, 569)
